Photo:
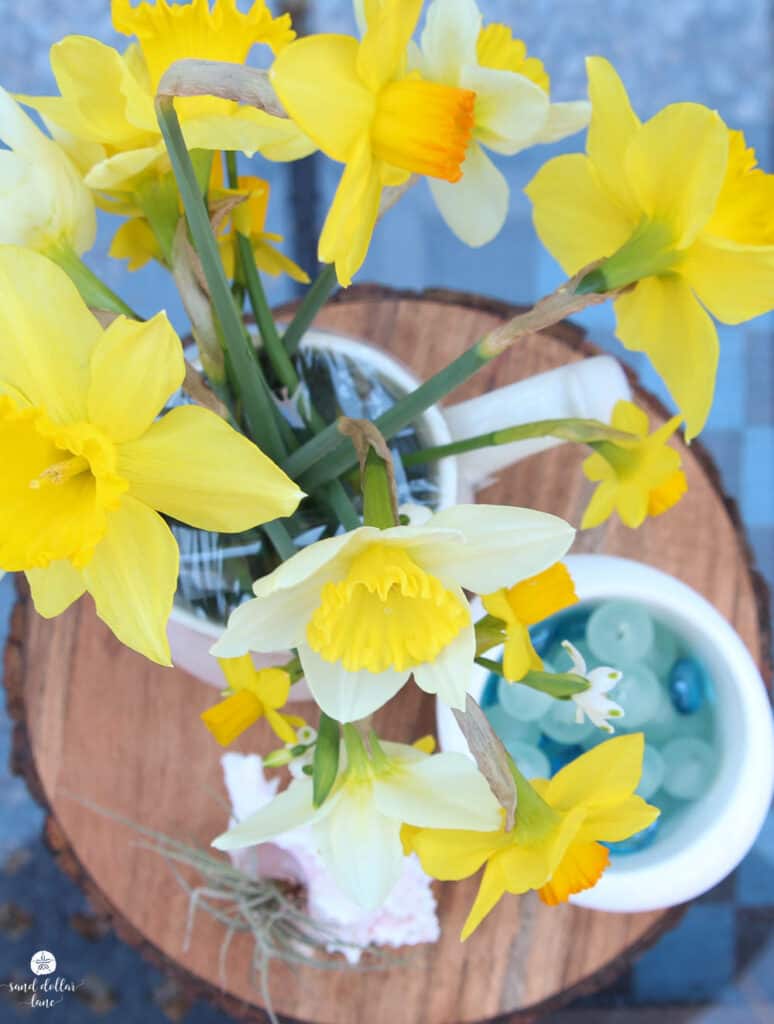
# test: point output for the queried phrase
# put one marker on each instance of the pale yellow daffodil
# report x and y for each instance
(635, 478)
(105, 114)
(370, 608)
(87, 467)
(252, 694)
(513, 111)
(44, 204)
(520, 607)
(684, 215)
(358, 826)
(365, 109)
(555, 845)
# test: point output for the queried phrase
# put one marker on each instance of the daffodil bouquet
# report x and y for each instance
(669, 219)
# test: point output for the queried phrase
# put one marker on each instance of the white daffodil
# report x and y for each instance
(594, 702)
(513, 110)
(358, 827)
(44, 203)
(369, 608)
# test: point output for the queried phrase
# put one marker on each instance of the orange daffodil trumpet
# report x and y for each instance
(635, 478)
(105, 115)
(678, 210)
(368, 609)
(358, 826)
(364, 108)
(44, 204)
(512, 111)
(555, 845)
(88, 467)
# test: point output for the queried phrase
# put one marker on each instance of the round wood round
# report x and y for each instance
(97, 723)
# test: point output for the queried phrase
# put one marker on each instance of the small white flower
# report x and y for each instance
(594, 702)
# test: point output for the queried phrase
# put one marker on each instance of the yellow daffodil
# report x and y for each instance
(87, 466)
(136, 242)
(105, 114)
(513, 111)
(252, 694)
(358, 826)
(555, 845)
(636, 478)
(44, 203)
(684, 216)
(370, 608)
(363, 108)
(520, 607)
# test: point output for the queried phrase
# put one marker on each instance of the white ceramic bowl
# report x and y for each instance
(714, 833)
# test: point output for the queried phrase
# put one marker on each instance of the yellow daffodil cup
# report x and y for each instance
(710, 838)
(588, 389)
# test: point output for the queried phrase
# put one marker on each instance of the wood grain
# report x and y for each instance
(99, 723)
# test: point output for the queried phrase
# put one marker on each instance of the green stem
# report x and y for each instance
(158, 199)
(330, 454)
(590, 432)
(378, 497)
(338, 501)
(93, 290)
(280, 539)
(310, 306)
(232, 177)
(560, 685)
(260, 411)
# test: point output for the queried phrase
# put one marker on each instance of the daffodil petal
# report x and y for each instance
(347, 696)
(382, 53)
(449, 675)
(735, 282)
(475, 207)
(613, 127)
(316, 565)
(490, 891)
(48, 335)
(362, 848)
(662, 317)
(607, 774)
(288, 810)
(452, 854)
(317, 81)
(676, 165)
(117, 172)
(132, 578)
(620, 821)
(575, 218)
(449, 39)
(135, 368)
(502, 545)
(565, 119)
(249, 131)
(511, 110)
(55, 588)
(581, 868)
(351, 220)
(193, 466)
(631, 503)
(443, 791)
(273, 623)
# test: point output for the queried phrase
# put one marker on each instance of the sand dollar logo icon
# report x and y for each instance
(43, 962)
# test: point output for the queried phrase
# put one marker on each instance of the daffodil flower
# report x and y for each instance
(364, 108)
(513, 111)
(252, 694)
(358, 826)
(87, 466)
(369, 608)
(635, 478)
(105, 114)
(555, 845)
(594, 702)
(44, 204)
(520, 607)
(680, 211)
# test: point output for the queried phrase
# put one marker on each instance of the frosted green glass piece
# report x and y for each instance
(560, 725)
(664, 650)
(530, 761)
(664, 724)
(640, 695)
(689, 766)
(653, 769)
(509, 728)
(523, 702)
(620, 633)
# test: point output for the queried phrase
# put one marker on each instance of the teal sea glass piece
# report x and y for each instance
(522, 701)
(620, 633)
(689, 766)
(559, 723)
(653, 770)
(530, 760)
(509, 728)
(559, 754)
(664, 650)
(640, 694)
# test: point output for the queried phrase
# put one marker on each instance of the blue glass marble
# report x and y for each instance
(489, 693)
(541, 636)
(559, 754)
(686, 686)
(639, 841)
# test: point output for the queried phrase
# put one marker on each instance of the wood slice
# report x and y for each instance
(99, 723)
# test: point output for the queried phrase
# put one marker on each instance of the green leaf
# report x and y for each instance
(325, 766)
(560, 684)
